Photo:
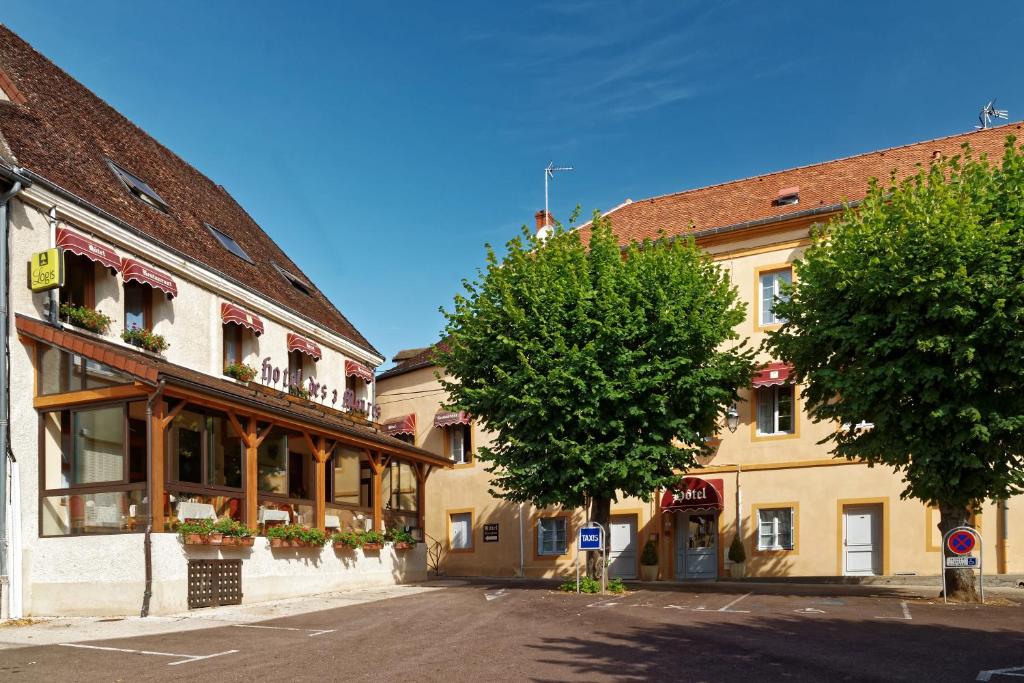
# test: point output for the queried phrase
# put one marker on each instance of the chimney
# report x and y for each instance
(545, 223)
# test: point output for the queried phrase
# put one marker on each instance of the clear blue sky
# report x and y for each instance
(383, 146)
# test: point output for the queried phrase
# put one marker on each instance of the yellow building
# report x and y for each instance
(798, 511)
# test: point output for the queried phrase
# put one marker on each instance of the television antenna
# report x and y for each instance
(990, 112)
(549, 174)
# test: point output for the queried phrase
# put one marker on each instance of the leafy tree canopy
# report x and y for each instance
(586, 362)
(908, 314)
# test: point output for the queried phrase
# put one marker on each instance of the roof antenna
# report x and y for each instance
(989, 112)
(549, 174)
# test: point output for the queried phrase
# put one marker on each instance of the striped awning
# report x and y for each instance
(306, 346)
(77, 243)
(772, 375)
(694, 494)
(447, 419)
(140, 272)
(359, 370)
(401, 425)
(230, 313)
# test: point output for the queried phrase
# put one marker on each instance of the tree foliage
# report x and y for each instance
(908, 314)
(586, 362)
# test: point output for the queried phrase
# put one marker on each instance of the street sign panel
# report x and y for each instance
(960, 542)
(590, 538)
(961, 561)
(491, 533)
(46, 270)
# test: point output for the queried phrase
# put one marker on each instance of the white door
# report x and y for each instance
(862, 540)
(697, 545)
(622, 547)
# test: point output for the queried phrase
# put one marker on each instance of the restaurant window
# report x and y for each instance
(344, 478)
(552, 536)
(284, 474)
(79, 281)
(58, 372)
(460, 530)
(232, 344)
(203, 449)
(93, 469)
(399, 483)
(138, 306)
(775, 529)
(460, 448)
(771, 284)
(775, 410)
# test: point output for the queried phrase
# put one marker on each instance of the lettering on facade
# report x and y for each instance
(491, 533)
(690, 495)
(284, 379)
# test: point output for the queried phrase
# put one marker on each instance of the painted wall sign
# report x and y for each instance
(46, 270)
(281, 378)
(491, 533)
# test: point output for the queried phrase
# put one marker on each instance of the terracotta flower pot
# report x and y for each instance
(649, 572)
(401, 545)
(195, 539)
(229, 540)
(216, 538)
(372, 546)
(276, 542)
(247, 541)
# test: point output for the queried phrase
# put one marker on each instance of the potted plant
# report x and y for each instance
(298, 391)
(649, 561)
(372, 540)
(143, 338)
(240, 371)
(400, 539)
(347, 540)
(311, 538)
(234, 533)
(85, 317)
(195, 532)
(295, 536)
(279, 535)
(738, 557)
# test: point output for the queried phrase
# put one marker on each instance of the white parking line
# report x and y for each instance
(312, 631)
(184, 659)
(1015, 671)
(906, 613)
(742, 597)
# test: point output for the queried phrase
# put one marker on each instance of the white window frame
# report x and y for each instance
(462, 456)
(554, 550)
(772, 394)
(452, 517)
(776, 528)
(772, 281)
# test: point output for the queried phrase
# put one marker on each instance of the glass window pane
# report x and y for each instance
(137, 441)
(225, 453)
(55, 372)
(56, 463)
(134, 305)
(785, 395)
(300, 468)
(456, 447)
(93, 513)
(186, 447)
(272, 464)
(765, 411)
(767, 299)
(346, 476)
(461, 530)
(98, 445)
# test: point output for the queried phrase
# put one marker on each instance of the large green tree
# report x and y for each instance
(908, 315)
(588, 362)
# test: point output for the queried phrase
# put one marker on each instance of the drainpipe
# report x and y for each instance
(739, 503)
(1003, 542)
(522, 557)
(148, 542)
(5, 419)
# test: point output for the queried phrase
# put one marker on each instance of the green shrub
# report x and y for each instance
(649, 557)
(398, 535)
(589, 585)
(230, 527)
(353, 539)
(372, 537)
(737, 553)
(197, 526)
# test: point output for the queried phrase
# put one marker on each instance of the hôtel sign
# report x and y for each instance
(285, 380)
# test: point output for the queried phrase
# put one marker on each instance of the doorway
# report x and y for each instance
(862, 540)
(696, 545)
(622, 551)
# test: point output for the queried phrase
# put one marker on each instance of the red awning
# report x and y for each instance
(772, 375)
(77, 243)
(401, 425)
(693, 493)
(140, 272)
(230, 313)
(359, 370)
(310, 348)
(449, 419)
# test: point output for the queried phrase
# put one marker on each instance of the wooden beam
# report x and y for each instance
(263, 435)
(422, 472)
(378, 471)
(240, 431)
(169, 418)
(73, 398)
(319, 493)
(250, 491)
(309, 442)
(156, 459)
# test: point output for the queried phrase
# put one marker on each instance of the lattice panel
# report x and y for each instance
(214, 582)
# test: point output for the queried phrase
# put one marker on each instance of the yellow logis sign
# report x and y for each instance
(46, 270)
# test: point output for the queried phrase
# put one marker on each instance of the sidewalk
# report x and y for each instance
(52, 630)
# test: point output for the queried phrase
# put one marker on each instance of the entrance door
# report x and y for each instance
(622, 546)
(862, 540)
(697, 545)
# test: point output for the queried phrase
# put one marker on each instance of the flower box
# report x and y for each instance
(276, 542)
(196, 539)
(402, 545)
(229, 540)
(338, 545)
(247, 541)
(373, 546)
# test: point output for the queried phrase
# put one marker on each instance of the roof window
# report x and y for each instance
(228, 243)
(788, 196)
(138, 187)
(293, 280)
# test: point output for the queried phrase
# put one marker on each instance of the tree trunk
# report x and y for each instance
(600, 512)
(960, 583)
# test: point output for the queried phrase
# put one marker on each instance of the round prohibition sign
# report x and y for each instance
(961, 543)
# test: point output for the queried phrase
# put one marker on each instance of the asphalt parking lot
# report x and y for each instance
(511, 631)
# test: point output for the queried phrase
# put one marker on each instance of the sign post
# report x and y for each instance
(957, 544)
(592, 536)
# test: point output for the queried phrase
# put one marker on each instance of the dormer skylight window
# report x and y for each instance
(788, 196)
(138, 187)
(293, 280)
(228, 243)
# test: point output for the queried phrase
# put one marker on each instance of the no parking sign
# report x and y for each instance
(960, 542)
(957, 545)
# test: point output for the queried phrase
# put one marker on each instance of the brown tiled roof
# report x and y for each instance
(423, 359)
(822, 185)
(151, 369)
(64, 133)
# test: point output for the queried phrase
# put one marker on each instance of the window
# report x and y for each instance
(343, 478)
(295, 365)
(293, 280)
(228, 243)
(138, 306)
(775, 410)
(551, 536)
(460, 530)
(284, 468)
(232, 335)
(459, 445)
(60, 372)
(138, 187)
(775, 529)
(771, 289)
(400, 484)
(79, 281)
(203, 449)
